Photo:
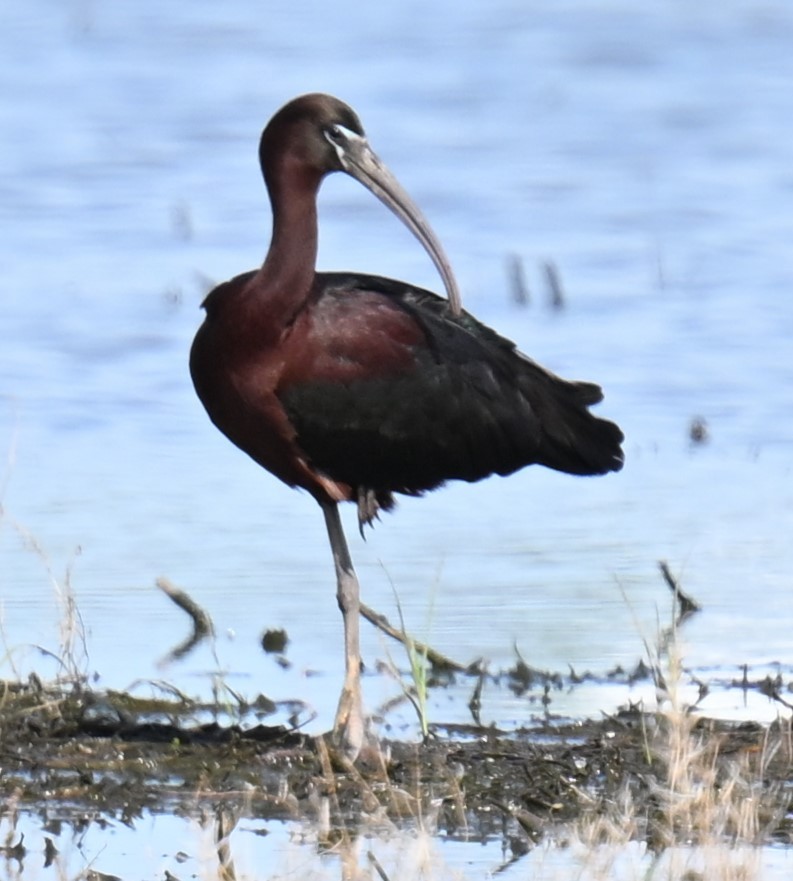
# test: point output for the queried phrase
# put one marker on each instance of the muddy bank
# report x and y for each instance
(75, 754)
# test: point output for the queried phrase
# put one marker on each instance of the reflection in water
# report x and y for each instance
(421, 828)
(227, 836)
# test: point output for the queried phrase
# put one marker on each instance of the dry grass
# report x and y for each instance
(712, 812)
(394, 838)
(71, 654)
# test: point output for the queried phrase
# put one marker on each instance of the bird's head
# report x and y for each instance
(315, 135)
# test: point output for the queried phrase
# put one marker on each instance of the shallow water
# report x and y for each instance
(184, 847)
(647, 151)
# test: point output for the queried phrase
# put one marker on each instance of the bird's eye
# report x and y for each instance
(335, 134)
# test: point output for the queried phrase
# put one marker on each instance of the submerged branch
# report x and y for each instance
(435, 658)
(202, 623)
(687, 605)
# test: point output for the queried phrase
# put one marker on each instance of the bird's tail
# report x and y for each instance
(573, 439)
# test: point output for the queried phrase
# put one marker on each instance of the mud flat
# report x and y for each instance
(73, 753)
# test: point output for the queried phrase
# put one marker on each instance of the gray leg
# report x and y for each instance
(349, 724)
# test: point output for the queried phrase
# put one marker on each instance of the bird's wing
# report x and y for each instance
(394, 392)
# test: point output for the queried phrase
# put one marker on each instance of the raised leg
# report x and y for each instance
(349, 725)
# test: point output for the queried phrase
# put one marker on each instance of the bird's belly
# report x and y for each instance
(241, 402)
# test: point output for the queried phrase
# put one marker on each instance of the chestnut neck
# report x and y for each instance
(287, 275)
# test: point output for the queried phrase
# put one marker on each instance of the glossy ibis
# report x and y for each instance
(355, 387)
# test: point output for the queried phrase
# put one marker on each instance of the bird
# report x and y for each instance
(356, 387)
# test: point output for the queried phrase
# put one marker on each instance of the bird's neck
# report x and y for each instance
(287, 275)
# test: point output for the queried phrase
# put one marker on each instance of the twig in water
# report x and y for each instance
(435, 658)
(554, 284)
(475, 703)
(770, 688)
(225, 822)
(202, 623)
(687, 605)
(517, 280)
(377, 867)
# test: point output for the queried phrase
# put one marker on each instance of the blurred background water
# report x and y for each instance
(646, 150)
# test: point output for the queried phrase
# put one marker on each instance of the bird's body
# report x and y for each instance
(355, 387)
(377, 387)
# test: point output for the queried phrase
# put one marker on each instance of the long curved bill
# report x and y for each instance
(361, 162)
